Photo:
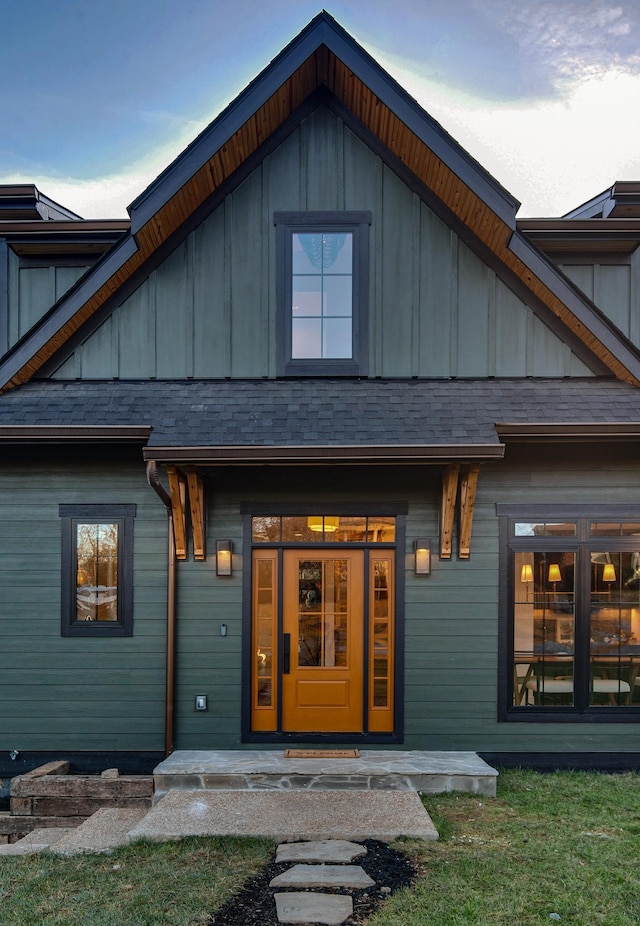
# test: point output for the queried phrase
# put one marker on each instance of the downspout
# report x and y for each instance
(154, 481)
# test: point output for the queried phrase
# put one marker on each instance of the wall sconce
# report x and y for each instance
(224, 549)
(608, 572)
(423, 557)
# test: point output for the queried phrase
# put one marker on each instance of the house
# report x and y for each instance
(322, 446)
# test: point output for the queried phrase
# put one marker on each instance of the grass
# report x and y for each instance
(565, 844)
(550, 848)
(145, 884)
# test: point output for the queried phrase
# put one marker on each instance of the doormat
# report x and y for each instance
(321, 753)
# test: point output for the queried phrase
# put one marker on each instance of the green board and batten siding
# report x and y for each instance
(34, 285)
(434, 308)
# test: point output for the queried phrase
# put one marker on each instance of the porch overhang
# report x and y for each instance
(327, 454)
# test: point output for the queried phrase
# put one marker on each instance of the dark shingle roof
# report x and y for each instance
(320, 412)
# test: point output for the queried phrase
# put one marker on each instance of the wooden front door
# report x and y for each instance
(323, 643)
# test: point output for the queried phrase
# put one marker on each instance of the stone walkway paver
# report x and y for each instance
(352, 877)
(303, 907)
(325, 852)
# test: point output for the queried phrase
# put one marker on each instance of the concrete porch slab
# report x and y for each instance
(268, 769)
(287, 816)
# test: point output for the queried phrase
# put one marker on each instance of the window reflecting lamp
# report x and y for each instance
(526, 573)
(423, 557)
(554, 573)
(224, 549)
(329, 524)
(608, 572)
(526, 576)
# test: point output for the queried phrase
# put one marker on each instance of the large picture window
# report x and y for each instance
(97, 567)
(572, 615)
(322, 292)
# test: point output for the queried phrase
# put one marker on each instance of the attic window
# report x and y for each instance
(322, 286)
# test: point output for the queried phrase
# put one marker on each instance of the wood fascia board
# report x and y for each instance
(569, 431)
(28, 355)
(448, 508)
(385, 454)
(228, 122)
(177, 490)
(195, 485)
(468, 486)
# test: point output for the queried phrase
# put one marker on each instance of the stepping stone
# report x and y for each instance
(350, 876)
(326, 851)
(304, 907)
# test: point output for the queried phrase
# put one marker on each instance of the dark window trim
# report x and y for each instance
(71, 515)
(580, 543)
(398, 510)
(286, 224)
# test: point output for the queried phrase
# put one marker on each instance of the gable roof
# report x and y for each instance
(324, 58)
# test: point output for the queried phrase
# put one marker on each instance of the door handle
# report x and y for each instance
(286, 653)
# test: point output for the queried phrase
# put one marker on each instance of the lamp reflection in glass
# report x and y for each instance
(526, 576)
(608, 572)
(554, 573)
(423, 557)
(224, 549)
(327, 524)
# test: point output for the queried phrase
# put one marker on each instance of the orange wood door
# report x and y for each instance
(323, 621)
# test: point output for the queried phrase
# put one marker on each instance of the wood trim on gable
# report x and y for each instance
(490, 220)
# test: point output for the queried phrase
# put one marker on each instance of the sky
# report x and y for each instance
(99, 96)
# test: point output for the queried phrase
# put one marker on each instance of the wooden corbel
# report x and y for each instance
(448, 509)
(195, 484)
(468, 485)
(178, 490)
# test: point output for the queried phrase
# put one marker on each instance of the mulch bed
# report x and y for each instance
(254, 904)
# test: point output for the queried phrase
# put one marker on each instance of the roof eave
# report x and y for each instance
(372, 454)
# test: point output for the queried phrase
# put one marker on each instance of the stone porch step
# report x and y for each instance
(388, 770)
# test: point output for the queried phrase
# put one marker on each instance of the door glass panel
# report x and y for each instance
(381, 632)
(614, 630)
(264, 632)
(543, 631)
(322, 612)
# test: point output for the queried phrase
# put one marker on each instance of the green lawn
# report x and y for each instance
(562, 846)
(550, 848)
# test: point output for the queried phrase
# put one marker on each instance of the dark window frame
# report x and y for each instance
(287, 224)
(582, 543)
(71, 515)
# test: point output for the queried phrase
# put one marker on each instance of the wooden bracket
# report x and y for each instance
(468, 485)
(447, 513)
(178, 489)
(195, 483)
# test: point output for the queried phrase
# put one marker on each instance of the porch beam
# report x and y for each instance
(468, 486)
(448, 508)
(195, 484)
(178, 490)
